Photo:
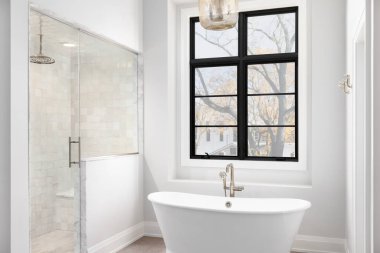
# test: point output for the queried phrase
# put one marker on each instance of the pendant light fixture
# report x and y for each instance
(218, 15)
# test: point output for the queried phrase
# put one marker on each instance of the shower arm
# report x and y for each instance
(40, 35)
(41, 43)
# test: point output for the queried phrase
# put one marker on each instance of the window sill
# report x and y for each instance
(245, 183)
(301, 165)
(246, 173)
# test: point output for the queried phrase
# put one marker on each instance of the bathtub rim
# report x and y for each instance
(151, 198)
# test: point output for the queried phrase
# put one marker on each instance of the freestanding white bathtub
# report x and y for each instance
(193, 223)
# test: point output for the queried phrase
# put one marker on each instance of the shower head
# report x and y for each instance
(40, 58)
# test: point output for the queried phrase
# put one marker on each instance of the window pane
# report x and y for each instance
(271, 110)
(271, 141)
(271, 34)
(216, 111)
(215, 145)
(211, 44)
(271, 78)
(216, 81)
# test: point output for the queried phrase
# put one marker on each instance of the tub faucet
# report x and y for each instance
(232, 188)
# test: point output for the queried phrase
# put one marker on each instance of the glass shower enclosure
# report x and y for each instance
(82, 104)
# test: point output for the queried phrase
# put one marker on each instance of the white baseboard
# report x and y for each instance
(119, 241)
(152, 229)
(303, 243)
(317, 244)
(347, 247)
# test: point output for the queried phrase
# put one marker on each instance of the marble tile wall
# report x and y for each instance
(50, 110)
(96, 99)
(108, 99)
(64, 213)
(50, 124)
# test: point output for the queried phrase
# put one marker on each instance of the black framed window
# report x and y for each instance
(243, 88)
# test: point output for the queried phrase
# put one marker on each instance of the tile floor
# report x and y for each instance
(147, 245)
(58, 241)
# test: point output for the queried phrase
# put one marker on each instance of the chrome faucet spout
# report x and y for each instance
(232, 188)
(231, 170)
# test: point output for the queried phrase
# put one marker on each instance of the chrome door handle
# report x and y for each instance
(79, 154)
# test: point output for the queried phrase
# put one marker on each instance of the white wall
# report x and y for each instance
(5, 126)
(354, 11)
(327, 216)
(358, 178)
(119, 20)
(113, 198)
(19, 127)
(376, 106)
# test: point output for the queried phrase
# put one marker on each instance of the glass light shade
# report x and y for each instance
(218, 14)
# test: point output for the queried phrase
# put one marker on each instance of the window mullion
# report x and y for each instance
(242, 36)
(242, 89)
(242, 60)
(192, 110)
(242, 111)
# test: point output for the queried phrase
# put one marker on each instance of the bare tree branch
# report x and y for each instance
(266, 35)
(202, 81)
(266, 76)
(289, 110)
(292, 40)
(207, 100)
(214, 43)
(286, 32)
(281, 38)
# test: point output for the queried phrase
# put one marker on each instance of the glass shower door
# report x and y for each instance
(108, 98)
(54, 136)
(83, 104)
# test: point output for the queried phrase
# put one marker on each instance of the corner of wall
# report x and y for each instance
(19, 125)
(5, 125)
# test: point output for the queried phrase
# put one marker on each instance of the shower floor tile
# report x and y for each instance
(58, 241)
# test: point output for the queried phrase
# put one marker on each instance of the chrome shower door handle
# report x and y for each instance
(79, 153)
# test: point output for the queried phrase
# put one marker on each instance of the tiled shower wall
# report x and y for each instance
(50, 126)
(93, 96)
(107, 105)
(108, 99)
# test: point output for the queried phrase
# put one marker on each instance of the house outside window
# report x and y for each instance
(221, 135)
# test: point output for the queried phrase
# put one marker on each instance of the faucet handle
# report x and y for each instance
(239, 188)
(223, 176)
